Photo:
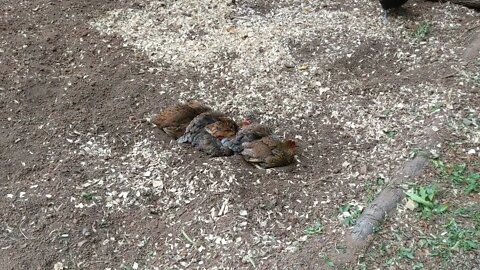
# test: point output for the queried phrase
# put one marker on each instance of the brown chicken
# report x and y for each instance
(206, 130)
(175, 119)
(269, 152)
(223, 128)
(248, 133)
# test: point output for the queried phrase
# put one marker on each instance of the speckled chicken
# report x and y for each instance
(201, 121)
(175, 119)
(210, 145)
(248, 133)
(269, 152)
(206, 130)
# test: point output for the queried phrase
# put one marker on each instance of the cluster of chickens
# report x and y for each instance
(217, 135)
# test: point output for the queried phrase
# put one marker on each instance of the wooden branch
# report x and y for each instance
(468, 3)
(388, 199)
(391, 195)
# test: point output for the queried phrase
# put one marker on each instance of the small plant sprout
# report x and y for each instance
(390, 133)
(87, 196)
(406, 253)
(315, 229)
(189, 240)
(328, 261)
(349, 213)
(423, 30)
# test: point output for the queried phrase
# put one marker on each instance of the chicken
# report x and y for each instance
(223, 128)
(210, 145)
(389, 4)
(269, 152)
(248, 133)
(175, 119)
(199, 123)
(206, 130)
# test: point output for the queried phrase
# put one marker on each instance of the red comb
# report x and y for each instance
(246, 122)
(291, 143)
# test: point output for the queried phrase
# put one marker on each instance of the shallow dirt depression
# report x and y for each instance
(90, 184)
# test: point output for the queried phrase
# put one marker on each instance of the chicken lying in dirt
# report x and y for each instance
(206, 131)
(175, 119)
(248, 133)
(269, 152)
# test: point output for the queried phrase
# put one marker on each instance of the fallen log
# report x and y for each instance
(468, 3)
(387, 200)
(391, 195)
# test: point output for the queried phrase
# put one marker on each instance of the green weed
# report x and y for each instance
(455, 239)
(328, 261)
(350, 213)
(422, 31)
(315, 229)
(472, 213)
(390, 133)
(87, 196)
(425, 198)
(373, 187)
(460, 239)
(418, 266)
(406, 253)
(471, 120)
(458, 174)
(476, 79)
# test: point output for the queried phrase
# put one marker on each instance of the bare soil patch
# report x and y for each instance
(87, 182)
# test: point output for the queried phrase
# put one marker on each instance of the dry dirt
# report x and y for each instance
(86, 182)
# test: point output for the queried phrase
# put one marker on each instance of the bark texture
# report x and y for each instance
(468, 3)
(393, 193)
(388, 199)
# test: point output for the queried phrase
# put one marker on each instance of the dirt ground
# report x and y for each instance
(86, 182)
